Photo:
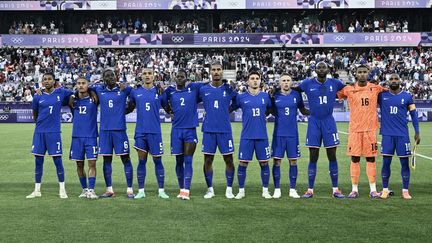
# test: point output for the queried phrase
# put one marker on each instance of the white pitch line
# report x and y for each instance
(420, 155)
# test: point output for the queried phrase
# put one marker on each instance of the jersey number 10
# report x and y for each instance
(393, 109)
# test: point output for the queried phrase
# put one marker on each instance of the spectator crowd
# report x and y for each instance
(21, 69)
(138, 26)
(36, 27)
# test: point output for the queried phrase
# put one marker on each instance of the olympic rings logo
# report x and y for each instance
(177, 39)
(339, 38)
(4, 117)
(17, 40)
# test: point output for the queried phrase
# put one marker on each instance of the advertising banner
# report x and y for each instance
(59, 5)
(207, 4)
(387, 39)
(403, 3)
(8, 117)
(50, 40)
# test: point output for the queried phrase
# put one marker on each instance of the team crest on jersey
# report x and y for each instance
(224, 93)
(189, 90)
(262, 99)
(295, 100)
(118, 93)
(403, 101)
(331, 88)
(156, 96)
(58, 98)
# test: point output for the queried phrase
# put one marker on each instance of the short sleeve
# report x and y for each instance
(343, 93)
(300, 104)
(66, 95)
(303, 85)
(35, 102)
(132, 97)
(339, 84)
(269, 101)
(165, 97)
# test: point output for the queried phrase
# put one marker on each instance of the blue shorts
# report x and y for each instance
(113, 139)
(212, 140)
(248, 146)
(322, 130)
(402, 146)
(50, 141)
(83, 147)
(180, 136)
(149, 143)
(290, 145)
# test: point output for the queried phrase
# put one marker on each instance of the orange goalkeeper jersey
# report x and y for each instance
(363, 103)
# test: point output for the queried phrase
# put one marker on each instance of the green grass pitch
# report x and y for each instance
(252, 219)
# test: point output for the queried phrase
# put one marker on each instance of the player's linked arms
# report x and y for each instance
(305, 111)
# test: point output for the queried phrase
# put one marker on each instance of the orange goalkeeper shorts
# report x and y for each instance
(362, 144)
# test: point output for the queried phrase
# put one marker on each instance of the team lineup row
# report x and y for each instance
(219, 99)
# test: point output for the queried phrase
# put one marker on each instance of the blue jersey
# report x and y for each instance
(148, 104)
(285, 111)
(183, 104)
(84, 118)
(394, 113)
(321, 96)
(112, 107)
(48, 107)
(216, 102)
(254, 118)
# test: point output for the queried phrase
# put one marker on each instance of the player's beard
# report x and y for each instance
(394, 86)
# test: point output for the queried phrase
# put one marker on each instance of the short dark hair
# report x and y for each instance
(254, 73)
(82, 77)
(286, 74)
(216, 63)
(107, 70)
(151, 68)
(362, 66)
(49, 73)
(183, 71)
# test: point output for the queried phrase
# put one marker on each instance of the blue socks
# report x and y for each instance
(385, 171)
(276, 175)
(405, 171)
(39, 160)
(293, 176)
(333, 170)
(229, 175)
(241, 176)
(265, 174)
(312, 169)
(83, 182)
(180, 170)
(188, 171)
(59, 168)
(209, 178)
(128, 170)
(107, 171)
(159, 171)
(92, 182)
(141, 173)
